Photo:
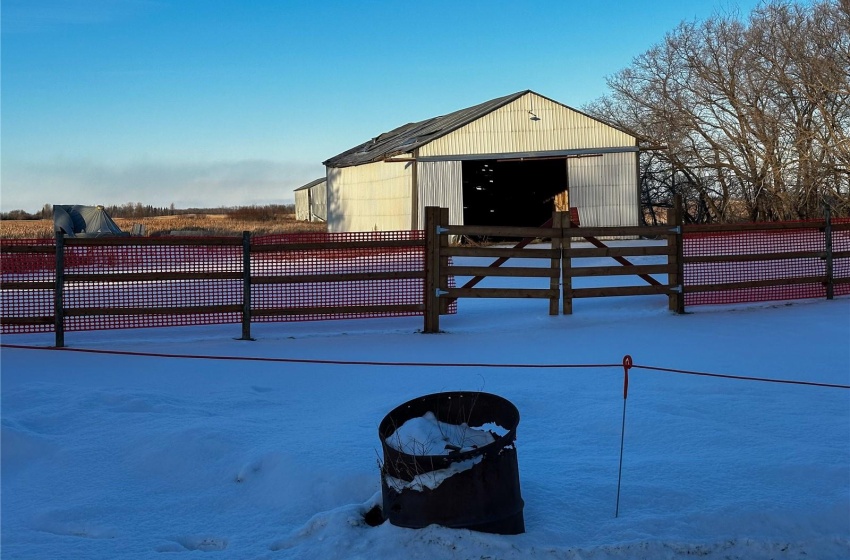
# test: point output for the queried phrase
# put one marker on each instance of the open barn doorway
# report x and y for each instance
(513, 192)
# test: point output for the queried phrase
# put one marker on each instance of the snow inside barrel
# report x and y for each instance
(450, 460)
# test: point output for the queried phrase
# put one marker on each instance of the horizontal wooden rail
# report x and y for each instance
(622, 270)
(498, 231)
(501, 293)
(758, 226)
(546, 233)
(347, 277)
(152, 241)
(755, 284)
(42, 320)
(342, 310)
(40, 249)
(498, 252)
(503, 271)
(27, 285)
(620, 231)
(152, 276)
(640, 251)
(841, 255)
(614, 291)
(196, 310)
(334, 246)
(752, 257)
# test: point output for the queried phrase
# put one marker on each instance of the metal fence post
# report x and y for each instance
(59, 292)
(246, 286)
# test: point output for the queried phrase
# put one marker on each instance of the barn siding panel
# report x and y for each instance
(319, 202)
(302, 205)
(370, 197)
(441, 184)
(603, 189)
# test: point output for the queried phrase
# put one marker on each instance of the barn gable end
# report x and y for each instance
(508, 161)
(531, 124)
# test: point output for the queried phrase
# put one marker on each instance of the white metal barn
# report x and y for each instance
(508, 161)
(311, 201)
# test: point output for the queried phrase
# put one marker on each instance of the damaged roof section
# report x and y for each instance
(408, 137)
(311, 184)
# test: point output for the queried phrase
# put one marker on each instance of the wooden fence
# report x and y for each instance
(124, 282)
(734, 263)
(130, 282)
(713, 264)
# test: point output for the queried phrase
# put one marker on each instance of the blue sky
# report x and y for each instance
(223, 103)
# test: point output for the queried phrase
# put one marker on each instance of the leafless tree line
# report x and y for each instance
(256, 213)
(747, 120)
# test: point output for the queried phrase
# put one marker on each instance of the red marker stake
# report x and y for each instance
(627, 365)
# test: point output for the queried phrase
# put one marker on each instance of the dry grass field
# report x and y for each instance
(208, 224)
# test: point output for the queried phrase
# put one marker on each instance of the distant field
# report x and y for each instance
(212, 224)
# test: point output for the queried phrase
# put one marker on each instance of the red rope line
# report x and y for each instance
(305, 360)
(419, 364)
(743, 377)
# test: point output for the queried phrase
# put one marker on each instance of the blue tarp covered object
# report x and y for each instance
(84, 221)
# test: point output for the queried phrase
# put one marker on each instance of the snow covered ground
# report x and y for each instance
(110, 456)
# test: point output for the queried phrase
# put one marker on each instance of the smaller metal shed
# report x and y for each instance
(311, 201)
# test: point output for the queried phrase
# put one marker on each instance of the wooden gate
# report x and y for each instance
(561, 231)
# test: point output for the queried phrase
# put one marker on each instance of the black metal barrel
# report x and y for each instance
(485, 497)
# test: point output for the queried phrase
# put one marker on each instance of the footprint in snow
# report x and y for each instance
(74, 528)
(259, 389)
(194, 542)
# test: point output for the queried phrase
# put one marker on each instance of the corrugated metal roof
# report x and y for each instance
(311, 184)
(408, 137)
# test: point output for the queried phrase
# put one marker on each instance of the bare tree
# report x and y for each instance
(753, 117)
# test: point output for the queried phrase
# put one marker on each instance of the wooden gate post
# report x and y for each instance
(555, 265)
(432, 270)
(675, 257)
(59, 292)
(561, 220)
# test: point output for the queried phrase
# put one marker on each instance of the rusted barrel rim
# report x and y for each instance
(472, 407)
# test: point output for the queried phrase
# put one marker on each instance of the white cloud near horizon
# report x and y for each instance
(29, 186)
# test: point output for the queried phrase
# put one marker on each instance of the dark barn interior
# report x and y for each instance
(511, 192)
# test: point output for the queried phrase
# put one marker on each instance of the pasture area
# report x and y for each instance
(137, 442)
(210, 224)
